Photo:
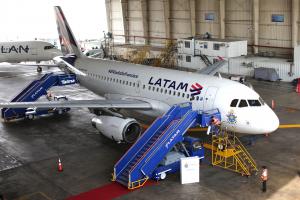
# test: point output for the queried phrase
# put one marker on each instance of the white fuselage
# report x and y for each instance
(14, 52)
(164, 87)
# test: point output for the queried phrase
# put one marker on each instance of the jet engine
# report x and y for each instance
(118, 129)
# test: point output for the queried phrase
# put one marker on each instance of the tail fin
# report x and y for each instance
(67, 40)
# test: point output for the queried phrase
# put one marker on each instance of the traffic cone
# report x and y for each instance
(298, 88)
(273, 104)
(59, 167)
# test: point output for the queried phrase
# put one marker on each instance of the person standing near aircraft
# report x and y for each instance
(264, 178)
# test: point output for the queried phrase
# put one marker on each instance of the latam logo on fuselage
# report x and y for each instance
(14, 49)
(195, 88)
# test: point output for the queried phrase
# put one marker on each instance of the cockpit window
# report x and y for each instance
(243, 103)
(253, 102)
(49, 47)
(261, 101)
(234, 102)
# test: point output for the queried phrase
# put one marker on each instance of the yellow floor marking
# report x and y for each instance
(289, 126)
(204, 129)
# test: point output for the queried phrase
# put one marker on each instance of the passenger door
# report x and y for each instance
(209, 98)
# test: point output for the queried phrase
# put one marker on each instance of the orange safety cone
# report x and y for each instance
(59, 167)
(298, 88)
(273, 104)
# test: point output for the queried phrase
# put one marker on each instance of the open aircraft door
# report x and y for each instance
(209, 98)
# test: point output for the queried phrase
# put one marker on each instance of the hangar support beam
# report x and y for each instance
(167, 15)
(295, 17)
(255, 25)
(222, 19)
(193, 17)
(145, 19)
(124, 7)
(108, 15)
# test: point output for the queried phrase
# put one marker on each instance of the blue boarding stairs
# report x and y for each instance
(138, 164)
(34, 91)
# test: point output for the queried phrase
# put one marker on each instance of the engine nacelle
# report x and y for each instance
(118, 129)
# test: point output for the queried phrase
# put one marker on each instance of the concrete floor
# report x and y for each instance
(29, 151)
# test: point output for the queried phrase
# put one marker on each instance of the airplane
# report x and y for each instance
(134, 92)
(21, 51)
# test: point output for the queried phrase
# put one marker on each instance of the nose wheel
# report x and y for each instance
(39, 69)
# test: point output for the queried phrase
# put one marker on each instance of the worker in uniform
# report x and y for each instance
(215, 122)
(49, 95)
(264, 178)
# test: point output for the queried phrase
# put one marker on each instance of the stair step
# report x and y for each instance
(125, 183)
(122, 178)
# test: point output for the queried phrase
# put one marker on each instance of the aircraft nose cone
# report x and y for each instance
(274, 122)
(270, 121)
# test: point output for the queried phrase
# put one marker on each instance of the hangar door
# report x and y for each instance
(209, 98)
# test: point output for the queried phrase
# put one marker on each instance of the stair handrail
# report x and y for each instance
(25, 93)
(242, 165)
(154, 132)
(253, 163)
(38, 82)
(170, 132)
(238, 144)
(144, 154)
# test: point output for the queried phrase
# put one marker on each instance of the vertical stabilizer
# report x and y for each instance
(67, 40)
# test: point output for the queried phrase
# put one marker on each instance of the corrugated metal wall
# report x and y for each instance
(238, 20)
(212, 26)
(245, 66)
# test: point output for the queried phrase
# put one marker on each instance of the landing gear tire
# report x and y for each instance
(30, 117)
(60, 112)
(39, 69)
(163, 176)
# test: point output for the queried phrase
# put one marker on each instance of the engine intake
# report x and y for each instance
(118, 129)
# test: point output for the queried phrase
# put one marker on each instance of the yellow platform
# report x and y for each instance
(229, 153)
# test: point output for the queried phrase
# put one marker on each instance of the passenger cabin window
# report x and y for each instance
(243, 103)
(254, 103)
(49, 47)
(234, 103)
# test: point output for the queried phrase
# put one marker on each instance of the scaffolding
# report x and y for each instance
(228, 152)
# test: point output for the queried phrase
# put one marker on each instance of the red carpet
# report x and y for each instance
(106, 192)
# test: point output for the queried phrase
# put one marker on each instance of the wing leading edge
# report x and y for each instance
(127, 104)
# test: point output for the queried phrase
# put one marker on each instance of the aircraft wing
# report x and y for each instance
(61, 59)
(96, 103)
(212, 69)
(35, 65)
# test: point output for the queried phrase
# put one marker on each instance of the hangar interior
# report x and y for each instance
(78, 148)
(269, 27)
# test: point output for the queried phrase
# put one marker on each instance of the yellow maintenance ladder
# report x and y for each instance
(228, 152)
